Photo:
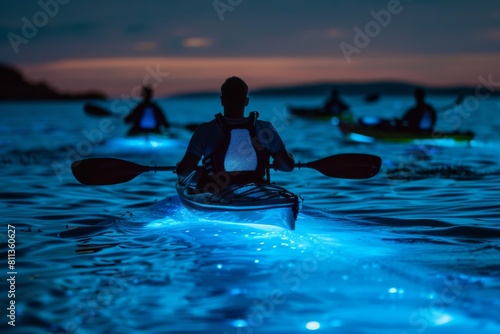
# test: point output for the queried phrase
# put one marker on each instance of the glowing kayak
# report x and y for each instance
(251, 203)
(373, 133)
(319, 114)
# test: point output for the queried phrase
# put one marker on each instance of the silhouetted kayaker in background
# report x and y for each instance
(235, 149)
(422, 117)
(147, 117)
(334, 106)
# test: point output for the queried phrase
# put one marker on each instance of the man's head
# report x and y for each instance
(419, 94)
(147, 93)
(234, 97)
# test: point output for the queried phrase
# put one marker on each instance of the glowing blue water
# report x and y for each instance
(412, 250)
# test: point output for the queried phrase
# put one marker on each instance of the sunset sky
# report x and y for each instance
(192, 45)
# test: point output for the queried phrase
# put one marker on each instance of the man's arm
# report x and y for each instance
(161, 117)
(187, 164)
(283, 161)
(133, 116)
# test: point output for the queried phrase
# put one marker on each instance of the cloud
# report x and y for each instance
(334, 33)
(196, 42)
(145, 46)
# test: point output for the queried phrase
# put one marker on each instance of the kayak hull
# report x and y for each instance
(266, 204)
(373, 133)
(318, 114)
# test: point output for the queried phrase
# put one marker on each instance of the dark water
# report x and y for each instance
(415, 249)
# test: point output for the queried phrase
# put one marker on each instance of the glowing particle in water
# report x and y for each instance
(216, 234)
(393, 290)
(401, 291)
(313, 325)
(336, 323)
(259, 249)
(444, 319)
(256, 261)
(239, 323)
(219, 266)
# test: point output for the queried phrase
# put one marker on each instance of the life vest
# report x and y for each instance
(148, 120)
(242, 159)
(426, 120)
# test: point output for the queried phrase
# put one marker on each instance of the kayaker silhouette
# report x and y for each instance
(335, 106)
(235, 149)
(422, 117)
(147, 117)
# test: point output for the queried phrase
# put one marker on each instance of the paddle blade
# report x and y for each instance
(105, 171)
(348, 166)
(94, 110)
(459, 100)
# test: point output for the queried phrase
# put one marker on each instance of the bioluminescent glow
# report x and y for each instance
(443, 319)
(239, 323)
(313, 325)
(361, 138)
(149, 142)
(444, 142)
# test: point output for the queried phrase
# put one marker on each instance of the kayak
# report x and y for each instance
(319, 114)
(373, 133)
(264, 204)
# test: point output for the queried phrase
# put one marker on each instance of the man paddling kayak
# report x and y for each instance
(422, 116)
(334, 105)
(147, 117)
(235, 149)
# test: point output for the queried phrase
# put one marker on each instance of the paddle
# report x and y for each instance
(93, 110)
(107, 171)
(457, 102)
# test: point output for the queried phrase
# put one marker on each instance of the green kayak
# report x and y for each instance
(375, 133)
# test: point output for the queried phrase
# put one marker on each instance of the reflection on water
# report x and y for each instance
(412, 250)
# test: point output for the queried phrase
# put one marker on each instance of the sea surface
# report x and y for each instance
(415, 249)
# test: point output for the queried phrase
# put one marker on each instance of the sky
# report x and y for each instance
(180, 46)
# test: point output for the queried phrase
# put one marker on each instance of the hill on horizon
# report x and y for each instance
(13, 86)
(349, 88)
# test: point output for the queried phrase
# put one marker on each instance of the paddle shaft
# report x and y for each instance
(107, 171)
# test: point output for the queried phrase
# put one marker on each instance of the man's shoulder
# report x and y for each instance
(205, 126)
(263, 123)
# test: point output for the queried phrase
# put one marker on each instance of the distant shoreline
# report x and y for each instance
(396, 88)
(14, 87)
